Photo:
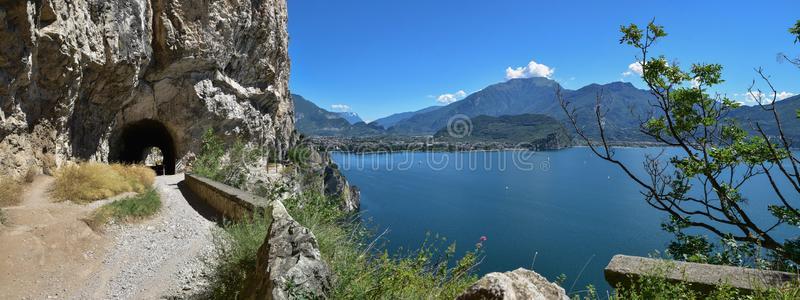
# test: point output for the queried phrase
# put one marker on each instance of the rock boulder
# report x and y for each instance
(517, 284)
(289, 263)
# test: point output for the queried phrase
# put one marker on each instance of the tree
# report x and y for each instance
(700, 188)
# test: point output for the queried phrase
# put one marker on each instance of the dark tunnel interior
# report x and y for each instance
(137, 138)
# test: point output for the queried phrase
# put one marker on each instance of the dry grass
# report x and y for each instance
(31, 174)
(89, 182)
(10, 191)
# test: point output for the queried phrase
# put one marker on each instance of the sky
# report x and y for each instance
(379, 57)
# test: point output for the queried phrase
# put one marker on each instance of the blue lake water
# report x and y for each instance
(567, 209)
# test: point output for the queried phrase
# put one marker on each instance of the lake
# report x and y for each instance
(554, 212)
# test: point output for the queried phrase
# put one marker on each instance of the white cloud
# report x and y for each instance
(695, 82)
(450, 98)
(340, 107)
(634, 68)
(752, 98)
(533, 69)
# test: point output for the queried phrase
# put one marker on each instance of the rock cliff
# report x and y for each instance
(107, 80)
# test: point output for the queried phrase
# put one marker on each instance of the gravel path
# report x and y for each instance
(163, 257)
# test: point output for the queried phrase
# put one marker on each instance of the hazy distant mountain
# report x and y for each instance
(527, 130)
(537, 95)
(314, 121)
(391, 120)
(350, 117)
(787, 110)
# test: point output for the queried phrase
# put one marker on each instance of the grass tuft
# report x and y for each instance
(10, 191)
(236, 247)
(125, 210)
(89, 182)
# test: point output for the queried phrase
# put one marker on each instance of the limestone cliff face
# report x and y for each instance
(104, 79)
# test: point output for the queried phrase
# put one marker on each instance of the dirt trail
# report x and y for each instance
(46, 249)
(48, 252)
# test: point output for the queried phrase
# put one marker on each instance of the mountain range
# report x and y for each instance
(312, 120)
(625, 106)
(350, 116)
(388, 122)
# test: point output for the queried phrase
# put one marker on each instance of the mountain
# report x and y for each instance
(312, 120)
(787, 109)
(391, 120)
(537, 96)
(526, 130)
(350, 116)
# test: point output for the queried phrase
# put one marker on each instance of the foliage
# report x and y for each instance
(236, 247)
(701, 187)
(229, 166)
(2, 216)
(10, 191)
(125, 210)
(299, 155)
(87, 182)
(795, 30)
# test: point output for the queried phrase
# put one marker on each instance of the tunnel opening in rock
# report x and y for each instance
(146, 142)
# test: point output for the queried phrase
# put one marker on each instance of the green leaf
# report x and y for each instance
(796, 31)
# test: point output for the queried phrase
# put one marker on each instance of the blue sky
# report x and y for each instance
(379, 57)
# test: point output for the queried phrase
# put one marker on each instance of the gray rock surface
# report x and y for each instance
(517, 284)
(289, 264)
(336, 185)
(74, 73)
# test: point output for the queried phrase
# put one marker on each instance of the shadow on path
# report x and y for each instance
(206, 211)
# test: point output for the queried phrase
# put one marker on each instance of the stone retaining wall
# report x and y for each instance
(231, 202)
(701, 277)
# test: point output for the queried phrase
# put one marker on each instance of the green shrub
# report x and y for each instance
(231, 169)
(299, 155)
(129, 209)
(236, 247)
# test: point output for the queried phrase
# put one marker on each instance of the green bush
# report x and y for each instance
(129, 209)
(229, 166)
(236, 246)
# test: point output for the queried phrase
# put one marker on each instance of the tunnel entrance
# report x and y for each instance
(137, 141)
